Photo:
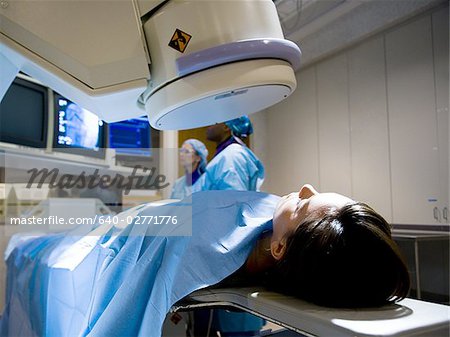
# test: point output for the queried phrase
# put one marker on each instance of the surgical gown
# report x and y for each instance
(181, 189)
(234, 168)
(123, 282)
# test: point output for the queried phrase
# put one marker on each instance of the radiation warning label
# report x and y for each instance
(179, 40)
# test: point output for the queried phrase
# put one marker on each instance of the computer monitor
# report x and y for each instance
(131, 138)
(24, 114)
(77, 130)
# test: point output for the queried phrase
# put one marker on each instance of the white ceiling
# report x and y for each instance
(323, 27)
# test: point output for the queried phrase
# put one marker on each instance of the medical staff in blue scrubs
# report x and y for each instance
(193, 158)
(234, 167)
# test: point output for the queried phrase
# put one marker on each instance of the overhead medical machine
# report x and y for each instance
(185, 63)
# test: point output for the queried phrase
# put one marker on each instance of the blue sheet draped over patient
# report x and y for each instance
(123, 282)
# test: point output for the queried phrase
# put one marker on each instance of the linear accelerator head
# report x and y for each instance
(184, 63)
(213, 61)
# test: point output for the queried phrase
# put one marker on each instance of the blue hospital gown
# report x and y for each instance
(124, 281)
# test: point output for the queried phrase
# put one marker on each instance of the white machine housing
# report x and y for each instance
(97, 53)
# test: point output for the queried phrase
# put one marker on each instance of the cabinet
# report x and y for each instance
(440, 26)
(333, 126)
(369, 126)
(293, 147)
(413, 124)
(377, 117)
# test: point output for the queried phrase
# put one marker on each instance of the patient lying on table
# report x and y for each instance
(325, 248)
(332, 251)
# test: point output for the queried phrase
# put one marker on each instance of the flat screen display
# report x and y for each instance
(131, 137)
(77, 129)
(24, 114)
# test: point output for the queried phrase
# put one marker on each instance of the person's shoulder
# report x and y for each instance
(178, 188)
(179, 182)
(183, 177)
(229, 153)
(235, 147)
(237, 150)
(243, 152)
(232, 155)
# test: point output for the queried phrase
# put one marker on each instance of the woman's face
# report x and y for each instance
(297, 206)
(188, 157)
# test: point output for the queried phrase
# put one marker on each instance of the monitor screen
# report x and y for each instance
(77, 130)
(23, 114)
(131, 137)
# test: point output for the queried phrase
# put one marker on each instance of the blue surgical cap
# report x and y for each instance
(241, 127)
(201, 150)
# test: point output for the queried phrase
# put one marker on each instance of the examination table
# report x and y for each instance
(408, 317)
(110, 280)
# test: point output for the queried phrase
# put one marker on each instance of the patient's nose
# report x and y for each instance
(307, 191)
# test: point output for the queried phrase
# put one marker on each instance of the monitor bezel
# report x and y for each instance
(42, 144)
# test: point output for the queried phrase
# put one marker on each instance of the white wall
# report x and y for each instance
(339, 128)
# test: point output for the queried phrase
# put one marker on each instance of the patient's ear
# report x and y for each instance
(278, 248)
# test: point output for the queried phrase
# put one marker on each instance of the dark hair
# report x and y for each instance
(345, 258)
